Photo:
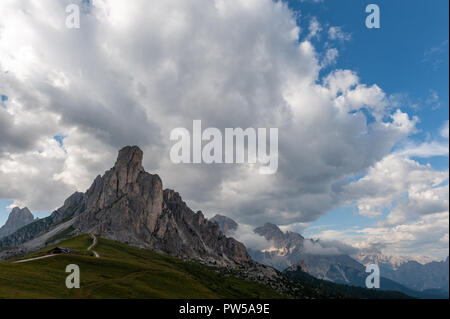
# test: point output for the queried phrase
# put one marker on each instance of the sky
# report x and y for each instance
(362, 113)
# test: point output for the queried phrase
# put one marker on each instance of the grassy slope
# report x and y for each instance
(121, 272)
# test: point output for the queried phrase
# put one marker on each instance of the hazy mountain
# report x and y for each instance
(413, 272)
(389, 262)
(226, 225)
(16, 220)
(433, 275)
(333, 262)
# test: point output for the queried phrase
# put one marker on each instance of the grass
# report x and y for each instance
(60, 236)
(121, 272)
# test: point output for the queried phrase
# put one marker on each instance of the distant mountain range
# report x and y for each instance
(128, 205)
(421, 276)
(290, 251)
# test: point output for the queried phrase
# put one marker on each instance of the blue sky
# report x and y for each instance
(407, 57)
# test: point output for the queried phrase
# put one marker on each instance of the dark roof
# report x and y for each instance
(62, 250)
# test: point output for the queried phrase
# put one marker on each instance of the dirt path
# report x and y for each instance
(36, 258)
(93, 245)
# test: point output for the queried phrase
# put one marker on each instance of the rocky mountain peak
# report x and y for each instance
(130, 156)
(21, 214)
(129, 205)
(17, 219)
(269, 231)
(226, 224)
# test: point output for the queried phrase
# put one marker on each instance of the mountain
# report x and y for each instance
(388, 262)
(421, 276)
(289, 249)
(129, 205)
(42, 231)
(16, 220)
(123, 271)
(290, 252)
(431, 276)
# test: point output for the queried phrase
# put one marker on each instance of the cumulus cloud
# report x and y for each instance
(403, 186)
(133, 72)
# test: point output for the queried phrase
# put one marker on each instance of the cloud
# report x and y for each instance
(314, 28)
(436, 55)
(330, 57)
(433, 100)
(424, 150)
(251, 240)
(402, 185)
(424, 236)
(328, 248)
(132, 73)
(336, 33)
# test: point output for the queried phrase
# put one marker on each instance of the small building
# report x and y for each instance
(62, 250)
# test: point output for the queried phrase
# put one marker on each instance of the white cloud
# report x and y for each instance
(330, 57)
(314, 28)
(433, 100)
(403, 185)
(424, 150)
(336, 33)
(246, 235)
(328, 248)
(424, 236)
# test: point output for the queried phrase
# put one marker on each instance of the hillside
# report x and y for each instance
(121, 272)
(127, 272)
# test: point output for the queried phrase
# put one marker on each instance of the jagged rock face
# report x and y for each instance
(16, 220)
(125, 203)
(287, 247)
(272, 233)
(129, 205)
(226, 224)
(190, 234)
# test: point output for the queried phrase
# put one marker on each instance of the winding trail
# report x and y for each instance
(93, 245)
